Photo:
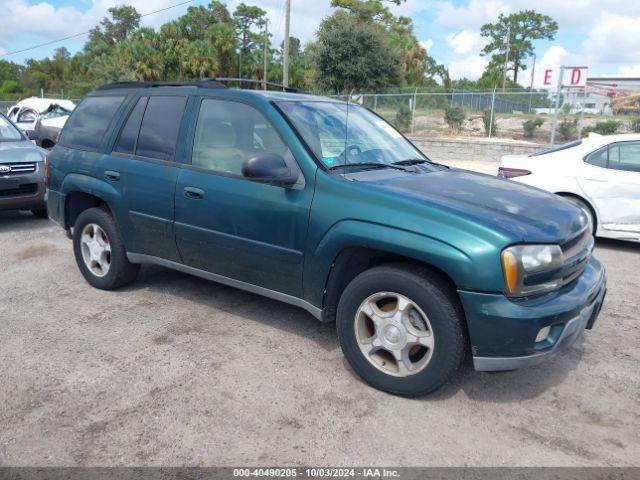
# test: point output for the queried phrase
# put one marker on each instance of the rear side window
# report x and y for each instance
(160, 125)
(129, 134)
(89, 122)
(598, 158)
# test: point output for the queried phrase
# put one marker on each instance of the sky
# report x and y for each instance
(601, 34)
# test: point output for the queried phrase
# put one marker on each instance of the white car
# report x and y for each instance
(601, 174)
(25, 113)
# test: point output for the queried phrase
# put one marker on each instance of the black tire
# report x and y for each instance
(437, 300)
(121, 271)
(40, 213)
(591, 216)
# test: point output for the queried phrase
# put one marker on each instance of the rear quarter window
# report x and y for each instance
(89, 122)
(160, 126)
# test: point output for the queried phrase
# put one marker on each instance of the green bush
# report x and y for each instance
(489, 122)
(454, 116)
(10, 86)
(634, 125)
(530, 126)
(568, 129)
(608, 127)
(403, 118)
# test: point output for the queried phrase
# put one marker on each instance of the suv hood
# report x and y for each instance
(20, 151)
(530, 214)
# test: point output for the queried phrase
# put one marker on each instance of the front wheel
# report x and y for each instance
(40, 213)
(100, 252)
(402, 329)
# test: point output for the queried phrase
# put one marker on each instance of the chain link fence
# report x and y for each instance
(522, 115)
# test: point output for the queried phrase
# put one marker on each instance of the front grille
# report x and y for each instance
(577, 253)
(26, 189)
(7, 169)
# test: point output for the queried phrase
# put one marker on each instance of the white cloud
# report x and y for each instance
(465, 41)
(614, 39)
(470, 67)
(464, 58)
(427, 44)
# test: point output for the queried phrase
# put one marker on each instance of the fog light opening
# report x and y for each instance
(543, 334)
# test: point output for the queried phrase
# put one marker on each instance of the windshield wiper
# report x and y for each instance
(368, 164)
(417, 161)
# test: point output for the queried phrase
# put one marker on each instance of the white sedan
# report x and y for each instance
(599, 173)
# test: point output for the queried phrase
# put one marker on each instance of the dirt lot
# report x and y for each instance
(175, 370)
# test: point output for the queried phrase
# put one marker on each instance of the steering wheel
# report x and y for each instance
(351, 148)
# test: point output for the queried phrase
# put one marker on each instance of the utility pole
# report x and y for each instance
(266, 52)
(285, 56)
(506, 57)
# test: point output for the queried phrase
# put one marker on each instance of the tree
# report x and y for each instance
(354, 55)
(415, 61)
(522, 27)
(123, 22)
(246, 18)
(141, 56)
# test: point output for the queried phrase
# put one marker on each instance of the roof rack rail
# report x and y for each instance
(207, 82)
(255, 82)
(203, 83)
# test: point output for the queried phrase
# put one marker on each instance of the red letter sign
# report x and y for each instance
(547, 76)
(575, 77)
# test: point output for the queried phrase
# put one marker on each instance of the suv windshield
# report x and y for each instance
(342, 134)
(8, 133)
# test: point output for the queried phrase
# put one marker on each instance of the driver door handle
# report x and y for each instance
(111, 175)
(193, 192)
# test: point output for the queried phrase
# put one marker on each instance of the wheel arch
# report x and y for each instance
(82, 192)
(353, 260)
(582, 198)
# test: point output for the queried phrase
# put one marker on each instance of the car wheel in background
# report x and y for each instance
(40, 213)
(586, 208)
(401, 328)
(100, 252)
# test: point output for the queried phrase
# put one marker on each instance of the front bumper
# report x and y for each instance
(503, 331)
(23, 192)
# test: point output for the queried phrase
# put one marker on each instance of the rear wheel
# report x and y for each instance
(100, 252)
(401, 329)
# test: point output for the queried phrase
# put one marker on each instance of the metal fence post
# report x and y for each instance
(584, 102)
(413, 111)
(556, 112)
(493, 103)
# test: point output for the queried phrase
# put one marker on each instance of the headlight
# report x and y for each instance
(532, 269)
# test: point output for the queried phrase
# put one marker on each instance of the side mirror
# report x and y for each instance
(269, 168)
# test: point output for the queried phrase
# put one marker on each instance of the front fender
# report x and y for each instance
(458, 265)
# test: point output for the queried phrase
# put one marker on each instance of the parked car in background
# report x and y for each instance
(601, 174)
(326, 206)
(48, 128)
(21, 171)
(26, 113)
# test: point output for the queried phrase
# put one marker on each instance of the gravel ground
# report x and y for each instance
(175, 370)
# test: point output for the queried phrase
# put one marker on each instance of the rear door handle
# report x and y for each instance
(601, 180)
(111, 175)
(193, 192)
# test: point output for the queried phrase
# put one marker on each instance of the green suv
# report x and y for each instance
(324, 205)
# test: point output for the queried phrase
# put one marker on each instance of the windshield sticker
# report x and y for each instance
(388, 128)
